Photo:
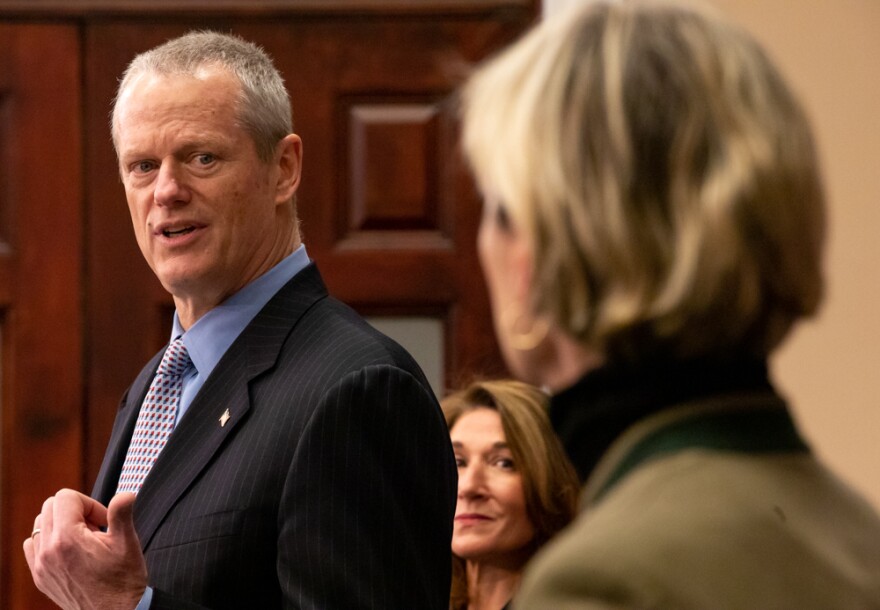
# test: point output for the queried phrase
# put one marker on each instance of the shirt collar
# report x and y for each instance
(212, 334)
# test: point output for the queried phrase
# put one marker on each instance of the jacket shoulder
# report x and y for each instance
(687, 531)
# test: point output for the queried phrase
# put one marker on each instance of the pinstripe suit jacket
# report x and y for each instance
(332, 485)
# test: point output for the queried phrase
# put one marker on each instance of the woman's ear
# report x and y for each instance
(522, 269)
(288, 161)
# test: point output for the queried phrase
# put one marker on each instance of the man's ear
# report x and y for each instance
(288, 160)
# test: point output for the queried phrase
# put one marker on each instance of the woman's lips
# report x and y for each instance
(472, 518)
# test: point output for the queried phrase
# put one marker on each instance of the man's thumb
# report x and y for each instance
(120, 519)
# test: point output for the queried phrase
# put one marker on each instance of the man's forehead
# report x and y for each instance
(150, 92)
(164, 98)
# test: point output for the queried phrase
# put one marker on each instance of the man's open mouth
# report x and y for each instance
(176, 232)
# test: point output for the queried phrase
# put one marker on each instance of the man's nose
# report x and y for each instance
(170, 186)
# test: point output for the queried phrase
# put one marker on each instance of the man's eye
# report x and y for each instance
(205, 159)
(142, 167)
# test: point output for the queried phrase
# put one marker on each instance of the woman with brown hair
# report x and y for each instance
(516, 488)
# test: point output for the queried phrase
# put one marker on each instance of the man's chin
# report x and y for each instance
(180, 282)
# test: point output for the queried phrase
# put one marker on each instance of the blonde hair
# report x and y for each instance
(549, 481)
(663, 174)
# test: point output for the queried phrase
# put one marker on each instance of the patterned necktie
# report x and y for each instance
(156, 418)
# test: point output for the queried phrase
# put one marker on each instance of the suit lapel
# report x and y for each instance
(200, 433)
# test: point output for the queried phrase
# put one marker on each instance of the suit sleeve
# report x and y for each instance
(365, 520)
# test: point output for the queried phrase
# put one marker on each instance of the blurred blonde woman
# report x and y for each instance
(516, 488)
(652, 229)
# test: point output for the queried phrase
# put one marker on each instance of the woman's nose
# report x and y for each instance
(471, 481)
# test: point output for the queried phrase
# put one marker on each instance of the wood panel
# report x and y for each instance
(41, 412)
(137, 8)
(392, 160)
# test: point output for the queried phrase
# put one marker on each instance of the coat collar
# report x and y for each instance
(591, 416)
(745, 423)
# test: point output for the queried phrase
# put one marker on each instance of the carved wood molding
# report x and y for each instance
(257, 8)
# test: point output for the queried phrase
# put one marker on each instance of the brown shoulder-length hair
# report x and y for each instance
(549, 481)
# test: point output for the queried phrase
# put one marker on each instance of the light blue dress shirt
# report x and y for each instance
(212, 334)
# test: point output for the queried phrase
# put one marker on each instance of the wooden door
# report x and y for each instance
(41, 368)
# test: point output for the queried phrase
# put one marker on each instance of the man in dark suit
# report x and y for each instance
(303, 462)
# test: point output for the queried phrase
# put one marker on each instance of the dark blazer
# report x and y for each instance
(331, 485)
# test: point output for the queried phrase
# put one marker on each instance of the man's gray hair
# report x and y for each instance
(264, 105)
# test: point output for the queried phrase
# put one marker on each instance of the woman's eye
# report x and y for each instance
(505, 463)
(460, 462)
